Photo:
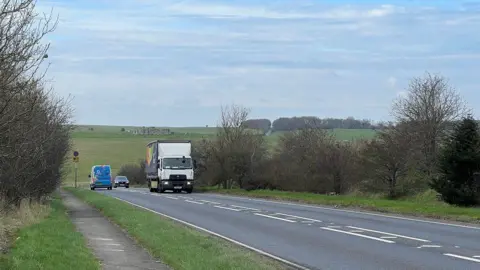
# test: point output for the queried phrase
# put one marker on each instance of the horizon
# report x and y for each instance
(170, 63)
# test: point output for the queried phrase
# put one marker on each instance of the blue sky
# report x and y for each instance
(174, 63)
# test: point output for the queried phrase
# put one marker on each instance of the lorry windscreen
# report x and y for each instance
(177, 163)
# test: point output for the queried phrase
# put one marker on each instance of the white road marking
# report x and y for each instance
(359, 235)
(246, 208)
(116, 250)
(356, 231)
(392, 234)
(112, 244)
(170, 197)
(311, 219)
(287, 220)
(334, 226)
(193, 202)
(228, 208)
(429, 246)
(388, 237)
(102, 239)
(477, 256)
(209, 202)
(462, 257)
(355, 212)
(220, 236)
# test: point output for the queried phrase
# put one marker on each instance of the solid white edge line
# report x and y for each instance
(392, 234)
(228, 208)
(351, 211)
(287, 220)
(220, 236)
(193, 202)
(462, 257)
(311, 219)
(359, 235)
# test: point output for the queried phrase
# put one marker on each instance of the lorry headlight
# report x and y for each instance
(165, 183)
(189, 183)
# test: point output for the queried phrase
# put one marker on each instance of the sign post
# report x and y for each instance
(75, 161)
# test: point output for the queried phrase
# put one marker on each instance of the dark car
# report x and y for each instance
(121, 181)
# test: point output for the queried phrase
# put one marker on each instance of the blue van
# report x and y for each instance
(100, 177)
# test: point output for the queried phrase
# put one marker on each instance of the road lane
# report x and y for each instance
(319, 238)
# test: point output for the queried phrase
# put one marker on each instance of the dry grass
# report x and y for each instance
(10, 222)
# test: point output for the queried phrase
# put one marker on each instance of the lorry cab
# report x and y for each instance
(100, 177)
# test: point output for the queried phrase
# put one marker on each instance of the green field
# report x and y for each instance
(111, 145)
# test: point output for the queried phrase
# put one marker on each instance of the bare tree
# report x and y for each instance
(431, 103)
(388, 157)
(34, 124)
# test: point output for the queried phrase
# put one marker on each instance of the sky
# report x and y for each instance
(175, 63)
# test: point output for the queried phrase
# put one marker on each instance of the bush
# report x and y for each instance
(134, 172)
(459, 162)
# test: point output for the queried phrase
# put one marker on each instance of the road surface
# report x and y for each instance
(318, 237)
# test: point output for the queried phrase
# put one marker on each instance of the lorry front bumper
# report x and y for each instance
(176, 184)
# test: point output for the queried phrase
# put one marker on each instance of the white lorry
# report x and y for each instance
(169, 166)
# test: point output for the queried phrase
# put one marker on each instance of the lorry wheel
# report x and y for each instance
(189, 190)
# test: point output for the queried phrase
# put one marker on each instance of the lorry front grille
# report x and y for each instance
(178, 177)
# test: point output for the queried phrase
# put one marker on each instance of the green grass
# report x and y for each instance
(425, 206)
(52, 243)
(175, 244)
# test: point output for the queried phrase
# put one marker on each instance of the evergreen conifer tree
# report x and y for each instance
(459, 161)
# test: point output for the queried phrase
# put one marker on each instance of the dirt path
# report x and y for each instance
(109, 243)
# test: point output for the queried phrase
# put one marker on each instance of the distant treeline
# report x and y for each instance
(295, 123)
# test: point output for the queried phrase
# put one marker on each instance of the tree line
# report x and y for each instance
(34, 123)
(296, 123)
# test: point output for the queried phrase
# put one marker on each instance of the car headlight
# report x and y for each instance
(165, 183)
(189, 183)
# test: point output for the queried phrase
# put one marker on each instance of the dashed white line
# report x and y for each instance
(112, 244)
(209, 202)
(429, 246)
(246, 208)
(287, 220)
(388, 237)
(392, 234)
(193, 202)
(311, 219)
(359, 235)
(115, 250)
(334, 226)
(477, 256)
(170, 197)
(227, 208)
(462, 257)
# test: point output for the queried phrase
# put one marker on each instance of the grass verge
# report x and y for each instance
(177, 245)
(423, 206)
(51, 243)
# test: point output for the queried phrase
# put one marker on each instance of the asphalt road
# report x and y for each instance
(318, 237)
